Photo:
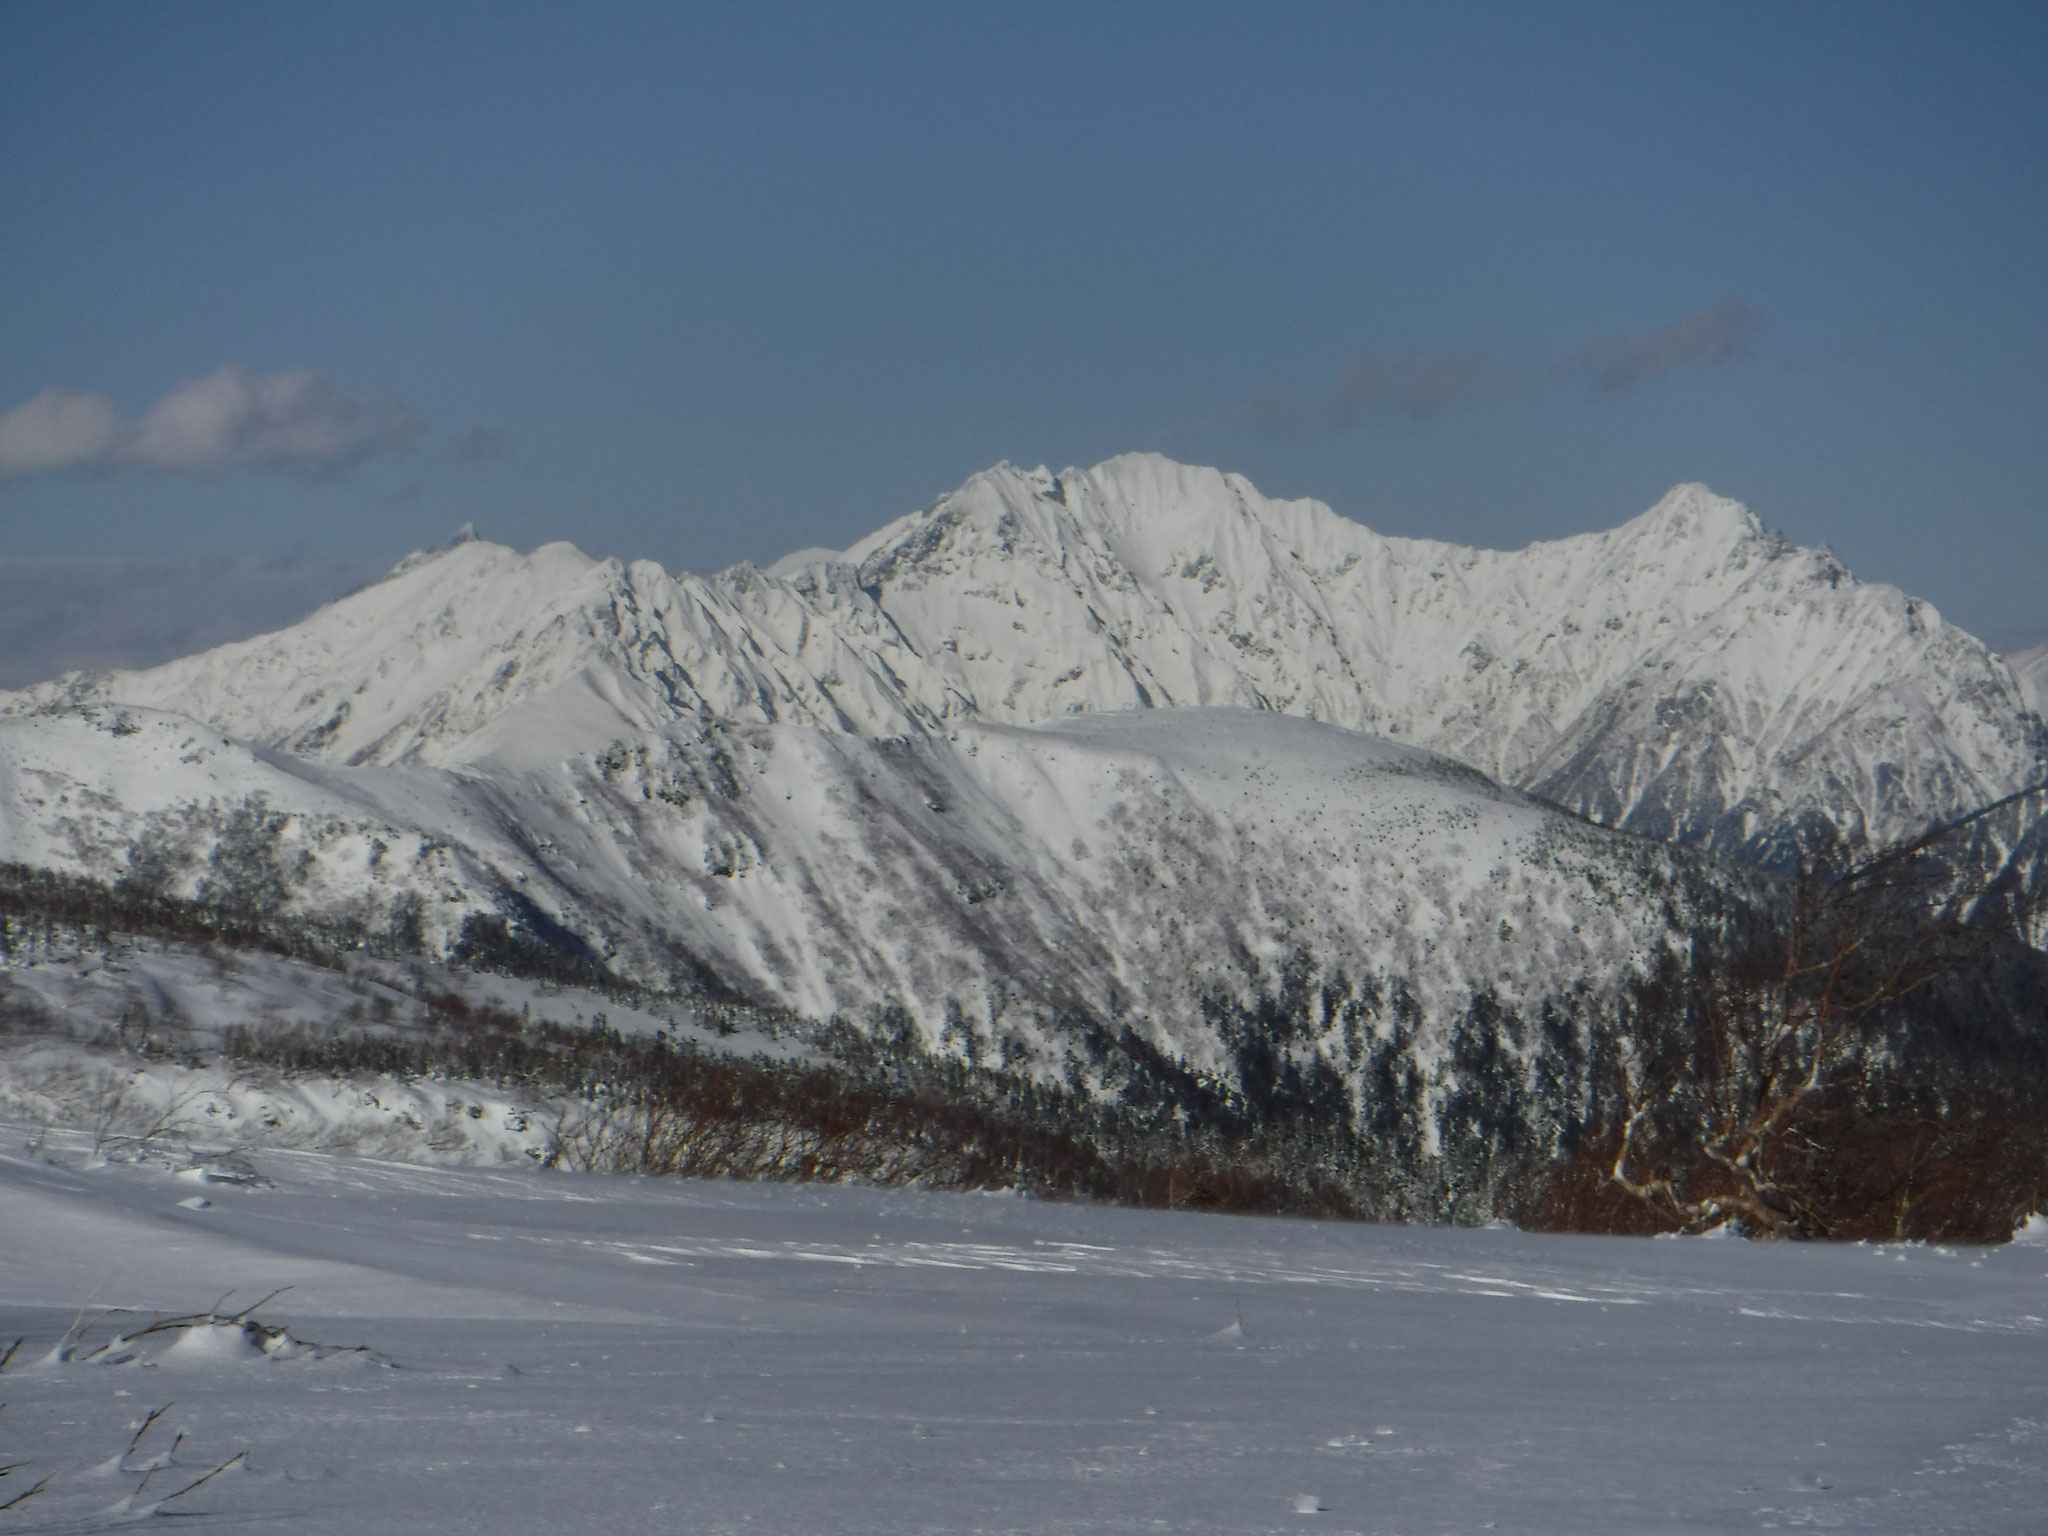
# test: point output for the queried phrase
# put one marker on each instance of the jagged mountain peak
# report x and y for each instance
(1164, 521)
(1695, 513)
(1687, 673)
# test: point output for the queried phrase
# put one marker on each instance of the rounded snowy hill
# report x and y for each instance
(1688, 674)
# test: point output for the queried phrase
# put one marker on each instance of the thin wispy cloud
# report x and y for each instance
(1721, 333)
(296, 422)
(1417, 383)
(1420, 384)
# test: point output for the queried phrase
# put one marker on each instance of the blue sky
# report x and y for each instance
(289, 290)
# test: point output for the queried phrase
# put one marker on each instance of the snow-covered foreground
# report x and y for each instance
(550, 1352)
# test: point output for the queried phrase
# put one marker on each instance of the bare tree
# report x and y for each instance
(1750, 1050)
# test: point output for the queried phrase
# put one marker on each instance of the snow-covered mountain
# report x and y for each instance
(1001, 890)
(1688, 674)
(1120, 771)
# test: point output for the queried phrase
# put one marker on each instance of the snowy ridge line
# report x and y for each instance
(1688, 674)
(68, 914)
(161, 990)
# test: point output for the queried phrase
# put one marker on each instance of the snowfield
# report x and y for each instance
(517, 1351)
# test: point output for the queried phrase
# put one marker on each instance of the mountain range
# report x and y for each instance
(1130, 754)
(1688, 675)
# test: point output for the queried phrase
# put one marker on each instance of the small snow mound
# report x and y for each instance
(1307, 1504)
(225, 1344)
(202, 1340)
(195, 1203)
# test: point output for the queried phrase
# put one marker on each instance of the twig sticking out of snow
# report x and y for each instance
(156, 1414)
(27, 1494)
(209, 1477)
(15, 1466)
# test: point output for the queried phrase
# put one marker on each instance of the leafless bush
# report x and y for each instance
(121, 1121)
(1772, 1076)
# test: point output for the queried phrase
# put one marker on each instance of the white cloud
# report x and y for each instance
(232, 419)
(59, 429)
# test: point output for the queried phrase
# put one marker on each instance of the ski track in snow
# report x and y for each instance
(552, 1352)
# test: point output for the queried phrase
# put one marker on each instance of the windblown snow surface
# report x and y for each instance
(515, 1351)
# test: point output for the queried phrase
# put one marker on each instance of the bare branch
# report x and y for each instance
(27, 1494)
(209, 1477)
(134, 1444)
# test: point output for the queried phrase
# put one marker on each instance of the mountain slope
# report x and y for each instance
(1687, 675)
(2031, 668)
(997, 891)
